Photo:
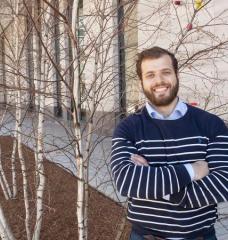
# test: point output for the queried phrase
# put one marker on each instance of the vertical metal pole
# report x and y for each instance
(121, 58)
(29, 64)
(3, 70)
(58, 108)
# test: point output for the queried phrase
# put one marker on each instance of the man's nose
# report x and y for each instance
(159, 79)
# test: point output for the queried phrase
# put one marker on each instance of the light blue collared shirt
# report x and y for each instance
(178, 112)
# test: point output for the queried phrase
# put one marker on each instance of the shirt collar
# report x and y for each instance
(178, 112)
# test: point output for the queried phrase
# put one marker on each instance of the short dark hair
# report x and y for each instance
(153, 53)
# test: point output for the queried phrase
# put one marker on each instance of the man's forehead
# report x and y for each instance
(164, 58)
(162, 63)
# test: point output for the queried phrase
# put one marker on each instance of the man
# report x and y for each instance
(170, 159)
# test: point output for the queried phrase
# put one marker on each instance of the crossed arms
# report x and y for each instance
(134, 177)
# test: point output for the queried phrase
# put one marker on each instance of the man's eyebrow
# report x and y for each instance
(163, 69)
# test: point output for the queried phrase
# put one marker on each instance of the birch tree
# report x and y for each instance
(19, 121)
(5, 231)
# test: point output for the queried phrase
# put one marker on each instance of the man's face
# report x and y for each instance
(159, 81)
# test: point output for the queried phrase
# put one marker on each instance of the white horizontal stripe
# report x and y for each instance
(114, 144)
(217, 155)
(218, 149)
(222, 136)
(173, 154)
(174, 162)
(117, 159)
(170, 217)
(123, 147)
(120, 142)
(171, 147)
(218, 167)
(117, 170)
(172, 225)
(157, 201)
(171, 140)
(159, 230)
(214, 143)
(120, 153)
(117, 165)
(216, 161)
(117, 139)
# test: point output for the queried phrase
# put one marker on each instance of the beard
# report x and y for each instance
(163, 100)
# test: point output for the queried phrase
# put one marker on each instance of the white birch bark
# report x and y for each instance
(80, 181)
(41, 88)
(3, 180)
(22, 163)
(13, 167)
(40, 166)
(36, 64)
(77, 128)
(19, 122)
(37, 67)
(4, 188)
(76, 87)
(5, 231)
(36, 50)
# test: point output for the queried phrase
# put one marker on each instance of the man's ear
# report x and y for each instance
(140, 84)
(178, 75)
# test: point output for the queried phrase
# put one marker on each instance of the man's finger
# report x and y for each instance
(139, 160)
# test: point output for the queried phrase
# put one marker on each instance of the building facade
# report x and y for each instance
(105, 36)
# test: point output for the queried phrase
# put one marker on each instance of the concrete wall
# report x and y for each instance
(202, 78)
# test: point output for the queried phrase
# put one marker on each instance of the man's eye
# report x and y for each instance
(166, 73)
(150, 76)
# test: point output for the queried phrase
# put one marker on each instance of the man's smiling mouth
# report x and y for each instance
(160, 89)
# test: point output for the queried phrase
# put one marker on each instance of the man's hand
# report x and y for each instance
(200, 169)
(139, 160)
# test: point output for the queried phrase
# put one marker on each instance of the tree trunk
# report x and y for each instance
(77, 126)
(5, 231)
(3, 180)
(19, 122)
(13, 167)
(40, 165)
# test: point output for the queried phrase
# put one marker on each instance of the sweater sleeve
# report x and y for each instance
(142, 181)
(213, 188)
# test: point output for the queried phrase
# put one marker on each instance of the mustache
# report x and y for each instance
(160, 85)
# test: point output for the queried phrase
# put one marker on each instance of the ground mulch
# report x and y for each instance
(60, 220)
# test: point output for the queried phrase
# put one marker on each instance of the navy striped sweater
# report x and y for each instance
(168, 145)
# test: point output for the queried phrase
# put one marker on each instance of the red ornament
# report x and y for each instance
(189, 26)
(177, 2)
(193, 103)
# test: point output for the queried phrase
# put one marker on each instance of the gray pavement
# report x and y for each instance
(59, 148)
